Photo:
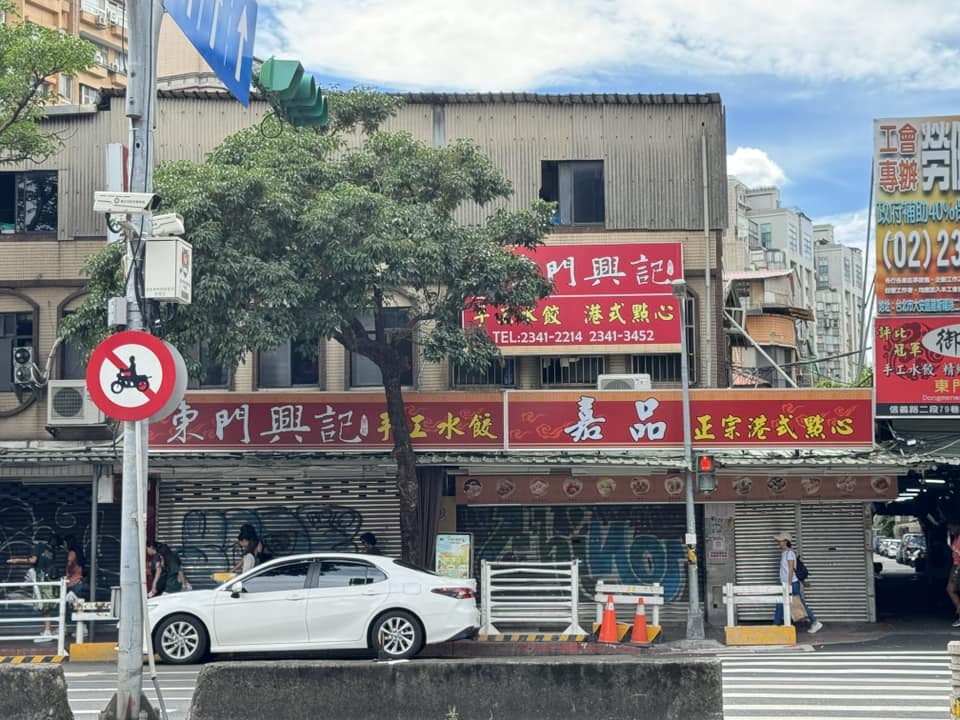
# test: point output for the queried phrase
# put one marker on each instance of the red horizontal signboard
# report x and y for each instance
(917, 366)
(614, 296)
(721, 418)
(572, 420)
(605, 268)
(582, 323)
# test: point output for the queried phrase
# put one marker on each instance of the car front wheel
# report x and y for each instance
(397, 635)
(181, 640)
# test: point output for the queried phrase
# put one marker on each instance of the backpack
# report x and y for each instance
(800, 570)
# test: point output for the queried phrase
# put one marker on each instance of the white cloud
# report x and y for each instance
(754, 168)
(849, 228)
(509, 45)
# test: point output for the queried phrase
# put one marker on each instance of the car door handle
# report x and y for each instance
(294, 597)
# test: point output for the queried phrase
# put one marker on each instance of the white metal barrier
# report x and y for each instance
(530, 594)
(629, 594)
(30, 597)
(86, 611)
(734, 595)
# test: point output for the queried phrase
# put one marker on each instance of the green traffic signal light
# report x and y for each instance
(293, 93)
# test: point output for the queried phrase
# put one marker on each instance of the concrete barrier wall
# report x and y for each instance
(563, 688)
(33, 692)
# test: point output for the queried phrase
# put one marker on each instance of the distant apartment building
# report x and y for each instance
(768, 268)
(839, 307)
(104, 24)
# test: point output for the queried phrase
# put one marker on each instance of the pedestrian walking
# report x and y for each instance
(41, 570)
(249, 542)
(75, 565)
(788, 564)
(168, 574)
(953, 580)
(368, 541)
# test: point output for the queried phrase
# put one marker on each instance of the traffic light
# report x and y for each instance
(22, 365)
(706, 474)
(293, 93)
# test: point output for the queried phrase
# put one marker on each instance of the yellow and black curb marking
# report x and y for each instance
(31, 659)
(534, 637)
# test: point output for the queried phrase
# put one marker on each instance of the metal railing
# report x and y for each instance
(29, 595)
(734, 595)
(530, 595)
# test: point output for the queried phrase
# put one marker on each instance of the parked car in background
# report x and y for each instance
(916, 554)
(908, 541)
(319, 601)
(890, 547)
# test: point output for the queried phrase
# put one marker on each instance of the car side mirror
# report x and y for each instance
(236, 589)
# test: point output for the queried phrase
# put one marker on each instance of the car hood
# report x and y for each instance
(163, 604)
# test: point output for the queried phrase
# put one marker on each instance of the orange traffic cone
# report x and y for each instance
(639, 634)
(608, 628)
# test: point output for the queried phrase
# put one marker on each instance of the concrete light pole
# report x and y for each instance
(143, 20)
(694, 617)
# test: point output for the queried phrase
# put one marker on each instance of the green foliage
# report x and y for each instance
(304, 235)
(29, 56)
(864, 381)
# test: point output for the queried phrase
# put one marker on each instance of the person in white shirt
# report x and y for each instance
(788, 564)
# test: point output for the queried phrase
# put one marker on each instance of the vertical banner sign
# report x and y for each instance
(917, 367)
(917, 211)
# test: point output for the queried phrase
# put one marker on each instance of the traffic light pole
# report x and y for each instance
(143, 17)
(694, 616)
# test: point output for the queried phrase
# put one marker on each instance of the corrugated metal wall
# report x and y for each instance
(199, 516)
(830, 537)
(634, 544)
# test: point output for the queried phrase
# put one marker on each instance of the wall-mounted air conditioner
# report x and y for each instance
(101, 19)
(639, 381)
(114, 67)
(69, 403)
(114, 17)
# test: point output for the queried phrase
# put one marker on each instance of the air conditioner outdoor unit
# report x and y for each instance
(114, 67)
(101, 19)
(69, 403)
(114, 17)
(624, 382)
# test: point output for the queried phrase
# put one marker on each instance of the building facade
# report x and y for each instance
(273, 442)
(840, 307)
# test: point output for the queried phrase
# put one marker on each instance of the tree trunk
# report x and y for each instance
(406, 458)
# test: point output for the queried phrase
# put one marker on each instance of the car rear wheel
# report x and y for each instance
(181, 640)
(397, 635)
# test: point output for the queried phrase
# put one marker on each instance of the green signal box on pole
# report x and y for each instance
(293, 93)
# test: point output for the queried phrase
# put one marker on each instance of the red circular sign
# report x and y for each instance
(131, 375)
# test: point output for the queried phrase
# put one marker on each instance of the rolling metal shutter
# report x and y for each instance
(199, 516)
(831, 539)
(635, 544)
(63, 509)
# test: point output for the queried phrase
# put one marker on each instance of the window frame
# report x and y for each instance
(558, 183)
(292, 347)
(357, 362)
(18, 203)
(17, 339)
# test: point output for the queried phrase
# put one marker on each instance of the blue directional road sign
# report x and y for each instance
(222, 31)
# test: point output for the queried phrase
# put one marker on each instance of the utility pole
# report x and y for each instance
(143, 21)
(694, 616)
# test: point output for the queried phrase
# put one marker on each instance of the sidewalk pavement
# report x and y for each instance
(672, 641)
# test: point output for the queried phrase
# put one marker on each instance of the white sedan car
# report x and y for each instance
(320, 601)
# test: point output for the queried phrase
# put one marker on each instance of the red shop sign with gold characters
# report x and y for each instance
(521, 420)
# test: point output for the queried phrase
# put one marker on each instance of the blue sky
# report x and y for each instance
(801, 85)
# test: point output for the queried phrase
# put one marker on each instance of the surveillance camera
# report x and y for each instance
(125, 203)
(169, 224)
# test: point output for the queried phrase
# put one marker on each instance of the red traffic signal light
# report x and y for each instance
(705, 463)
(706, 474)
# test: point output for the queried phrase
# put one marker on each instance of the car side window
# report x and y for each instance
(344, 573)
(289, 576)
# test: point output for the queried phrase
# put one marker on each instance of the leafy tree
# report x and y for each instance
(305, 236)
(29, 56)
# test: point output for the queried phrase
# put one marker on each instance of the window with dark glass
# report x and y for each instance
(213, 375)
(577, 188)
(572, 370)
(279, 578)
(16, 330)
(28, 202)
(294, 363)
(72, 366)
(363, 371)
(344, 573)
(498, 372)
